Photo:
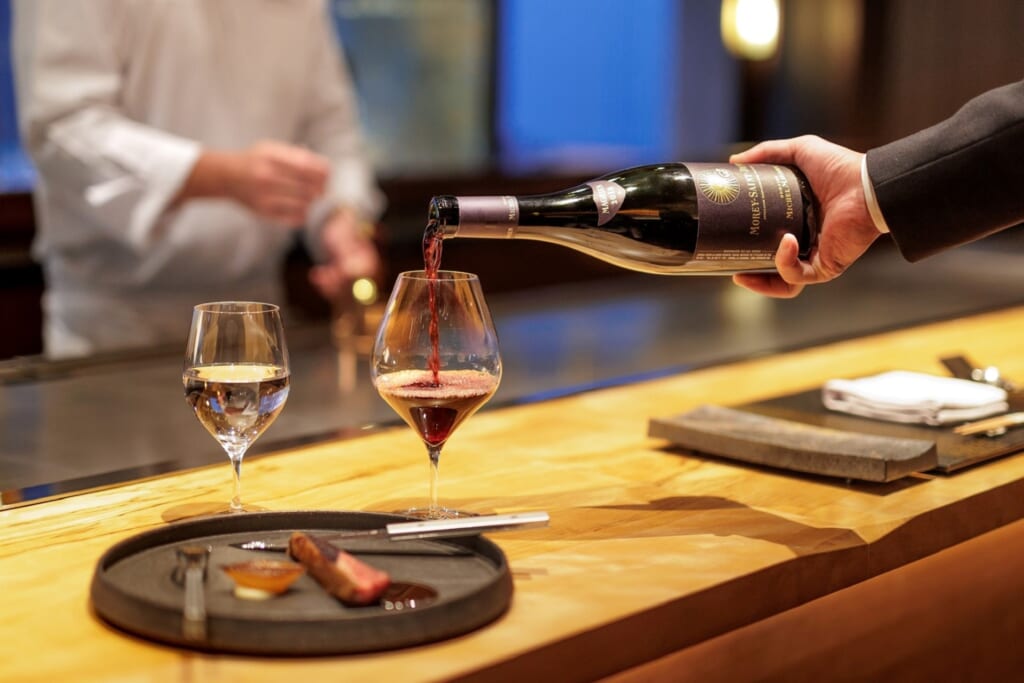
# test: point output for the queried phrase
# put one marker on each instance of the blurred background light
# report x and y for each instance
(750, 28)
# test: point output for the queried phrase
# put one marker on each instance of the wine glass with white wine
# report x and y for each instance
(236, 375)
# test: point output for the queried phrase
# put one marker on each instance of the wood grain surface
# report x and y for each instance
(649, 551)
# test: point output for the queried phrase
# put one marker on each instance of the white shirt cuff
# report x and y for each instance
(870, 199)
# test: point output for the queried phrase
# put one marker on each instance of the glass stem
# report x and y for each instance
(434, 510)
(236, 469)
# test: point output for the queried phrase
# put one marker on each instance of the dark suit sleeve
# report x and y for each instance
(957, 181)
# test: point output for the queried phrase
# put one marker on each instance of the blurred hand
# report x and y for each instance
(845, 226)
(278, 181)
(351, 254)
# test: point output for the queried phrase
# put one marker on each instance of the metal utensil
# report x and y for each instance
(193, 618)
(991, 426)
(431, 528)
(961, 368)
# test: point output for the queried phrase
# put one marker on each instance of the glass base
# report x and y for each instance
(198, 509)
(439, 513)
(229, 509)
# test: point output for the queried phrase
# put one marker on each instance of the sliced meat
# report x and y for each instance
(343, 576)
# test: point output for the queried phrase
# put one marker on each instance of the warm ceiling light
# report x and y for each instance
(750, 28)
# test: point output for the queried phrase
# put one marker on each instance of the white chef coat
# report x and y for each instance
(116, 99)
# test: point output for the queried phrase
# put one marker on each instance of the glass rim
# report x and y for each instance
(441, 274)
(236, 307)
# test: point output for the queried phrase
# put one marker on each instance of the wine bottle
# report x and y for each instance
(672, 218)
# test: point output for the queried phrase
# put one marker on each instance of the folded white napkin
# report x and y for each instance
(901, 396)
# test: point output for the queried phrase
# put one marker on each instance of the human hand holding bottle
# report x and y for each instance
(846, 227)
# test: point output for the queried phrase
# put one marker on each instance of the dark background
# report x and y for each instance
(860, 72)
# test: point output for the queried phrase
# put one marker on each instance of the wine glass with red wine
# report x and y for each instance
(236, 375)
(436, 361)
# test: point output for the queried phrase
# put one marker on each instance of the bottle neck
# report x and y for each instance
(486, 216)
(503, 216)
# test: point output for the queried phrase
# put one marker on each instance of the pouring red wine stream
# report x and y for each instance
(432, 238)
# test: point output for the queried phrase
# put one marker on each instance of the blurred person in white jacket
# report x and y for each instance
(179, 145)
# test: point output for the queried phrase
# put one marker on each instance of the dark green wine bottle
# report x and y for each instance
(673, 218)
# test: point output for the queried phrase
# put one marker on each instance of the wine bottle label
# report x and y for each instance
(482, 216)
(744, 210)
(608, 196)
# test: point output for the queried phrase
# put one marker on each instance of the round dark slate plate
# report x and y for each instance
(136, 587)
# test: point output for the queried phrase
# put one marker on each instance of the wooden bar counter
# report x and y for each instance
(653, 556)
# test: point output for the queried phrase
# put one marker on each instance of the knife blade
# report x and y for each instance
(426, 529)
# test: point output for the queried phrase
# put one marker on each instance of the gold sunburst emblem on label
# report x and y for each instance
(719, 185)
